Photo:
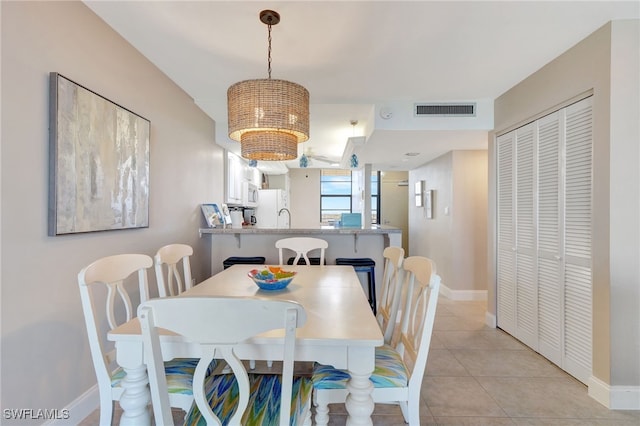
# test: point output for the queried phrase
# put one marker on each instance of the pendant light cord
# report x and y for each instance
(269, 52)
(270, 18)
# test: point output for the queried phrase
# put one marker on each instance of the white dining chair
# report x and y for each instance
(113, 272)
(218, 325)
(399, 369)
(301, 246)
(389, 303)
(168, 260)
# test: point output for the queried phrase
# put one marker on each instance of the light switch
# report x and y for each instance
(446, 211)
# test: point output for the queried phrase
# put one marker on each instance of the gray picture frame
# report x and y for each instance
(418, 193)
(98, 162)
(428, 203)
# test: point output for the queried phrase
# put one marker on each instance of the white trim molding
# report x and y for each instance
(79, 409)
(614, 397)
(463, 295)
(490, 320)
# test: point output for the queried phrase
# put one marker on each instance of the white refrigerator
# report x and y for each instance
(270, 203)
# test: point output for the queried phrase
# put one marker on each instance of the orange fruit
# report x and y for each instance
(275, 269)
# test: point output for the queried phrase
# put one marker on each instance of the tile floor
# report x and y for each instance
(477, 375)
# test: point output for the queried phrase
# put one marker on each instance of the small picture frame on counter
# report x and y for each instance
(212, 215)
(226, 216)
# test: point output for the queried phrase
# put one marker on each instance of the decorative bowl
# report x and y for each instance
(271, 278)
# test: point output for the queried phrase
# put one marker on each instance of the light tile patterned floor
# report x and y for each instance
(477, 375)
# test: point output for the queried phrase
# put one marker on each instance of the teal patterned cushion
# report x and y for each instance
(264, 403)
(389, 372)
(179, 374)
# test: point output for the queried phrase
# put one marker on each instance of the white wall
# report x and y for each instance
(456, 237)
(469, 211)
(625, 203)
(432, 237)
(607, 64)
(45, 356)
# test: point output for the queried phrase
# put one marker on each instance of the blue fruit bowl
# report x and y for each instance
(271, 278)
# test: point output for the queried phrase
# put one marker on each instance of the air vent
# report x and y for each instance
(445, 110)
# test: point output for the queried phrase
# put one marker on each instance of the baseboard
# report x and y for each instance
(463, 295)
(490, 320)
(599, 391)
(79, 409)
(614, 397)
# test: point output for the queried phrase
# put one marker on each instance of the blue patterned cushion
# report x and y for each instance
(264, 403)
(389, 372)
(179, 374)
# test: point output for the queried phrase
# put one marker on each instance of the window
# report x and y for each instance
(375, 196)
(335, 194)
(339, 194)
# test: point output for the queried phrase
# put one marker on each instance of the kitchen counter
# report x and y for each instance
(323, 229)
(343, 242)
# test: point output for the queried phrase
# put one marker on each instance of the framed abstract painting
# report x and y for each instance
(98, 162)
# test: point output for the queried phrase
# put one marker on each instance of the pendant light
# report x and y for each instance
(353, 161)
(269, 117)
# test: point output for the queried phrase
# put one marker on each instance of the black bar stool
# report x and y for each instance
(236, 260)
(364, 264)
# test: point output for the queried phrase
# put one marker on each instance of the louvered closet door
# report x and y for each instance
(544, 280)
(506, 244)
(577, 251)
(526, 255)
(550, 265)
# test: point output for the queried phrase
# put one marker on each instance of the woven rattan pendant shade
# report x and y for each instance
(268, 117)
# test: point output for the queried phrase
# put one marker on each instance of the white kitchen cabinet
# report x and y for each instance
(544, 193)
(239, 176)
(252, 175)
(234, 177)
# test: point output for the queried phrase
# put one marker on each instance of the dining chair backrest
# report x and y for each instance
(400, 367)
(387, 310)
(418, 316)
(171, 282)
(218, 325)
(301, 246)
(111, 272)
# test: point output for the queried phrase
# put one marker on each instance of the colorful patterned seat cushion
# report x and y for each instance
(264, 403)
(117, 376)
(179, 374)
(389, 372)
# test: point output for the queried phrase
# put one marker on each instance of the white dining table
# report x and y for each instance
(341, 330)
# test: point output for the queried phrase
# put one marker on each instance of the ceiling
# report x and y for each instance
(361, 58)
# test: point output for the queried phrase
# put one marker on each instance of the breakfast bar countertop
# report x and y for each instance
(323, 229)
(343, 241)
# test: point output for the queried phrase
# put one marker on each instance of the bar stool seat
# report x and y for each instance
(238, 260)
(367, 265)
(313, 260)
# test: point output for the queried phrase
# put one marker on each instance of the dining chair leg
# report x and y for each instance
(307, 419)
(322, 414)
(371, 277)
